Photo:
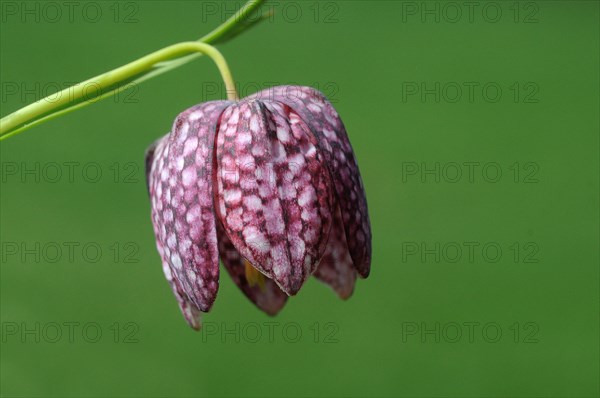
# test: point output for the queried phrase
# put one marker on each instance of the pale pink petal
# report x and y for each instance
(314, 109)
(268, 297)
(274, 191)
(180, 186)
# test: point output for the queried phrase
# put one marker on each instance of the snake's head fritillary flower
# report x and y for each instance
(270, 185)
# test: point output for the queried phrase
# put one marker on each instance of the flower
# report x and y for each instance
(270, 185)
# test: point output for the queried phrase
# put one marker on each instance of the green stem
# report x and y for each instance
(137, 71)
(116, 77)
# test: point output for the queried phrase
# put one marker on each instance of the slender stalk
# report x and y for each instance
(115, 78)
(102, 86)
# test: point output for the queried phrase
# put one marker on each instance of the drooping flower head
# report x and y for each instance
(270, 185)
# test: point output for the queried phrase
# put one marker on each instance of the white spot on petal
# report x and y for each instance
(189, 176)
(233, 196)
(253, 202)
(176, 261)
(282, 134)
(254, 125)
(190, 145)
(314, 108)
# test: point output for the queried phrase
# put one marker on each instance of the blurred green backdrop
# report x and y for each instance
(476, 131)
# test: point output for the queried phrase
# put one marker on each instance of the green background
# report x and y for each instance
(363, 54)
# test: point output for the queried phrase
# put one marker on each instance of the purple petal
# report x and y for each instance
(273, 190)
(269, 297)
(149, 159)
(190, 312)
(321, 117)
(182, 205)
(336, 268)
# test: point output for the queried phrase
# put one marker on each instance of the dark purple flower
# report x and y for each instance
(269, 185)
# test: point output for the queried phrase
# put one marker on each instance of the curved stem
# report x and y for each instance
(148, 67)
(109, 81)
